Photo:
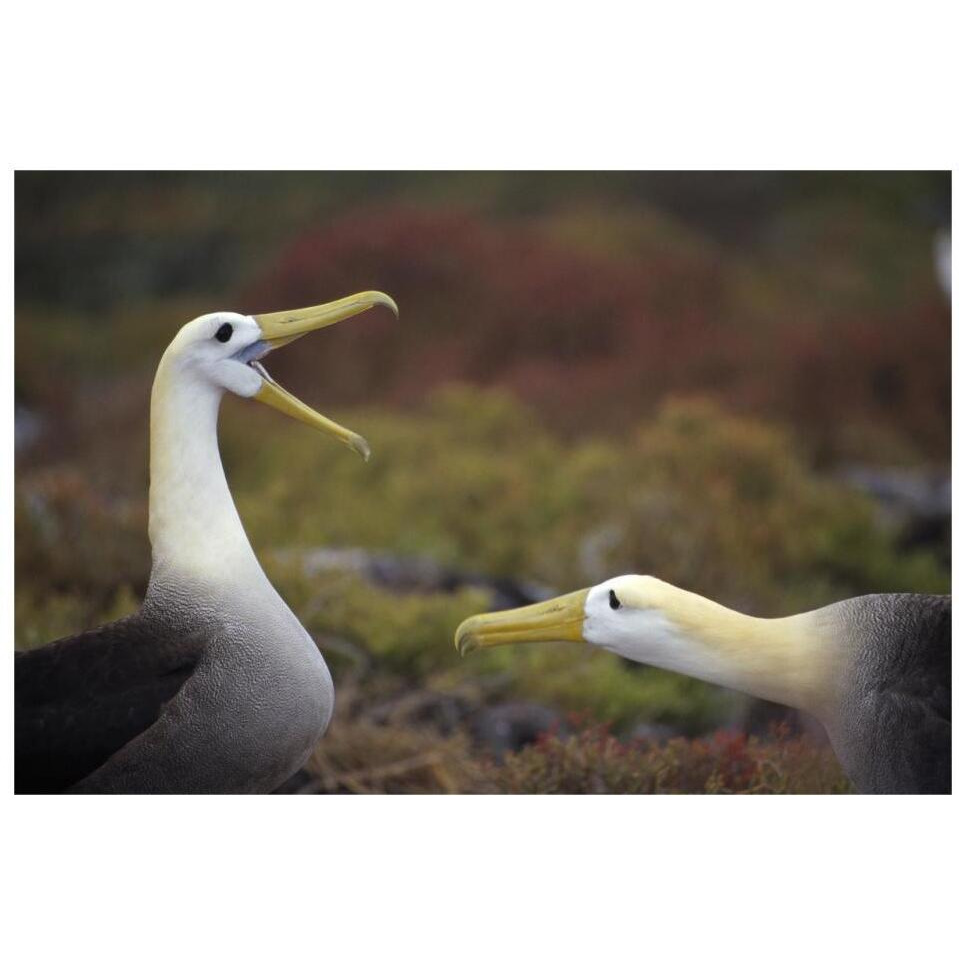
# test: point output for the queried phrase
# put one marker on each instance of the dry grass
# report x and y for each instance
(365, 757)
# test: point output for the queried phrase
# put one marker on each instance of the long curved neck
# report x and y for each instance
(195, 530)
(792, 660)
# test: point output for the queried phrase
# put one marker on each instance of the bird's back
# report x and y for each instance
(894, 728)
(80, 699)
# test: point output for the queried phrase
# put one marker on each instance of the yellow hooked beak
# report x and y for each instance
(279, 329)
(555, 619)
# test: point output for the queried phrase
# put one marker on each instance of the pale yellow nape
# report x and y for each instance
(792, 660)
(194, 526)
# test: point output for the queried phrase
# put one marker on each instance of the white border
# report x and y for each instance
(501, 85)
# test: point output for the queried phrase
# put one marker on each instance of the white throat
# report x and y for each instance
(195, 530)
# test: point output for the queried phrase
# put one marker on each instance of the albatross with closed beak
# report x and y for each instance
(875, 670)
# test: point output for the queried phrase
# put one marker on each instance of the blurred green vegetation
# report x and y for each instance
(696, 496)
(593, 374)
(704, 499)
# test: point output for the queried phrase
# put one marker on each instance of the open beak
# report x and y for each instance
(555, 619)
(279, 329)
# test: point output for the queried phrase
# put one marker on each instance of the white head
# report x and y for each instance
(215, 352)
(221, 352)
(649, 621)
(625, 615)
(620, 614)
(194, 526)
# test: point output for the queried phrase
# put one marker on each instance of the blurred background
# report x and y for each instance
(737, 382)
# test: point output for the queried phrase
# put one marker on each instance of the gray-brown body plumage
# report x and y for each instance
(892, 726)
(204, 689)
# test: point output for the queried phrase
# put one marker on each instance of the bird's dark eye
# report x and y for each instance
(614, 602)
(224, 332)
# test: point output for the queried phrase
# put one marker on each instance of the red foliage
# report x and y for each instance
(593, 760)
(593, 340)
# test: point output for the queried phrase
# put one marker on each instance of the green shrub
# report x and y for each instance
(720, 504)
(40, 618)
(406, 633)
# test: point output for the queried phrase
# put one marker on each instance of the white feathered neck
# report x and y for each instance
(195, 529)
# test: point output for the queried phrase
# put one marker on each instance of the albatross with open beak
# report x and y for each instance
(213, 685)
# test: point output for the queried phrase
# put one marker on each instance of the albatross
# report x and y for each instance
(213, 685)
(874, 670)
